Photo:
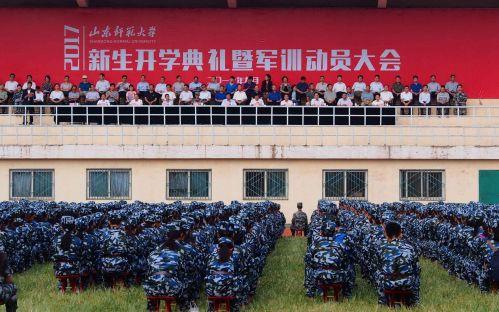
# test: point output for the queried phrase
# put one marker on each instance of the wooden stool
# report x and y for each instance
(114, 279)
(299, 233)
(72, 280)
(494, 286)
(169, 302)
(337, 292)
(219, 302)
(397, 297)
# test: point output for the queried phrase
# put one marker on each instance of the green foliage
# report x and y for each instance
(280, 289)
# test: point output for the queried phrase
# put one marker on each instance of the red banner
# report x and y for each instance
(242, 42)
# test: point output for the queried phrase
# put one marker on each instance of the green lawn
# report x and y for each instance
(280, 289)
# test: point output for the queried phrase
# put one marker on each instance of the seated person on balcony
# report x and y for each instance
(287, 101)
(249, 87)
(285, 87)
(460, 99)
(220, 95)
(66, 86)
(317, 101)
(310, 92)
(142, 86)
(406, 100)
(197, 100)
(367, 96)
(301, 89)
(376, 86)
(3, 98)
(92, 96)
(377, 101)
(39, 96)
(103, 101)
(185, 97)
(130, 94)
(451, 86)
(172, 96)
(102, 85)
(350, 95)
(416, 88)
(166, 100)
(339, 87)
(74, 96)
(56, 96)
(397, 88)
(443, 99)
(345, 101)
(399, 267)
(231, 86)
(113, 95)
(274, 96)
(136, 101)
(257, 101)
(205, 95)
(151, 97)
(160, 87)
(228, 101)
(299, 222)
(11, 86)
(433, 88)
(329, 95)
(213, 86)
(386, 96)
(321, 86)
(424, 100)
(358, 87)
(240, 96)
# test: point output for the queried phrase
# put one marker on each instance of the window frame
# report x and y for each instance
(345, 183)
(403, 190)
(109, 170)
(265, 190)
(31, 197)
(189, 172)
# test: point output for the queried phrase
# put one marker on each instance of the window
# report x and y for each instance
(188, 184)
(108, 184)
(338, 184)
(31, 184)
(265, 184)
(421, 184)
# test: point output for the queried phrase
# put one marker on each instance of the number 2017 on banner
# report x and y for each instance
(71, 48)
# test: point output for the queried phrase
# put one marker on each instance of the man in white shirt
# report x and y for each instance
(339, 87)
(161, 86)
(10, 87)
(185, 97)
(102, 85)
(56, 96)
(317, 101)
(103, 101)
(424, 100)
(228, 101)
(433, 88)
(240, 96)
(321, 86)
(287, 101)
(29, 78)
(358, 87)
(377, 101)
(167, 101)
(169, 92)
(213, 85)
(136, 101)
(386, 96)
(344, 101)
(256, 101)
(92, 96)
(205, 95)
(376, 85)
(406, 99)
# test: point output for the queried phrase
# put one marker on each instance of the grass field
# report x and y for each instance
(280, 289)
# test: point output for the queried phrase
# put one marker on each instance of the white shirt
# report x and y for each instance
(102, 85)
(424, 97)
(160, 88)
(240, 96)
(56, 95)
(287, 103)
(167, 103)
(103, 103)
(317, 102)
(359, 86)
(185, 96)
(255, 102)
(345, 102)
(205, 95)
(321, 86)
(38, 96)
(170, 93)
(230, 102)
(11, 85)
(135, 102)
(376, 87)
(33, 85)
(386, 96)
(339, 87)
(378, 103)
(406, 96)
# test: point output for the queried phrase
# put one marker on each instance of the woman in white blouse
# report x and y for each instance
(287, 101)
(103, 101)
(257, 101)
(136, 101)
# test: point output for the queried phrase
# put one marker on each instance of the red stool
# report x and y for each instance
(72, 280)
(299, 233)
(156, 300)
(494, 286)
(397, 297)
(219, 302)
(337, 289)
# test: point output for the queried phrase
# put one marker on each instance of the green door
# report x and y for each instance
(488, 181)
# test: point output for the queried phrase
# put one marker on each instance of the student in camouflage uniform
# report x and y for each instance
(68, 249)
(299, 222)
